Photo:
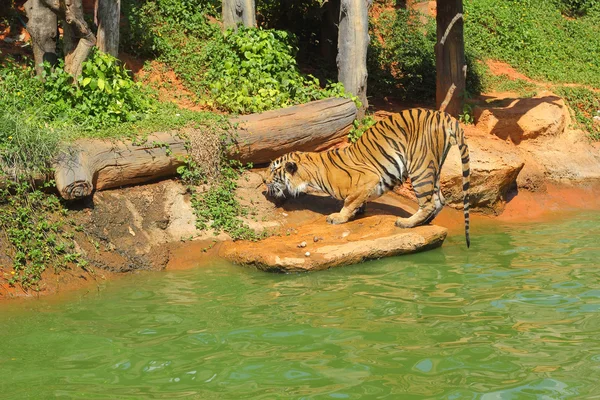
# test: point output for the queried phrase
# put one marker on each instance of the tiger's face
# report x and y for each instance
(284, 178)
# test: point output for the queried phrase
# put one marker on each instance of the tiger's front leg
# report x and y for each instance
(352, 206)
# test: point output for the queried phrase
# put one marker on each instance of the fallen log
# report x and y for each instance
(314, 126)
(89, 165)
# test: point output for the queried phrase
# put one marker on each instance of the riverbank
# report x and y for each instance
(132, 243)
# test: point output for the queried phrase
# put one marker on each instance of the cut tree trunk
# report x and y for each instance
(258, 138)
(450, 55)
(353, 42)
(43, 28)
(109, 16)
(329, 32)
(78, 38)
(239, 12)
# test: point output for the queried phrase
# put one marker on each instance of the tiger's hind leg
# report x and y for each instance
(439, 201)
(431, 202)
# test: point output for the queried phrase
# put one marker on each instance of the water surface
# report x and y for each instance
(515, 317)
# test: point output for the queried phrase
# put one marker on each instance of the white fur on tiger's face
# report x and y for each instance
(284, 177)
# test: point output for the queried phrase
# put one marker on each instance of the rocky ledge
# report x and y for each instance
(319, 246)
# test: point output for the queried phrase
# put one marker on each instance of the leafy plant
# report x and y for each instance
(585, 104)
(104, 95)
(536, 39)
(466, 117)
(35, 228)
(216, 204)
(576, 8)
(26, 141)
(257, 71)
(360, 127)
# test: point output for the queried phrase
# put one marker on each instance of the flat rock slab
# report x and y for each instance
(336, 245)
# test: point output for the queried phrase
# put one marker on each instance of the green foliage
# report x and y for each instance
(150, 24)
(104, 95)
(247, 71)
(576, 8)
(359, 127)
(404, 59)
(466, 117)
(258, 72)
(585, 104)
(34, 226)
(219, 208)
(34, 123)
(26, 141)
(401, 57)
(533, 36)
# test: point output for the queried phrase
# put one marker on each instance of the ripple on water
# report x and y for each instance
(516, 316)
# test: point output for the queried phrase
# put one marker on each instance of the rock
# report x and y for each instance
(367, 238)
(525, 118)
(569, 158)
(495, 166)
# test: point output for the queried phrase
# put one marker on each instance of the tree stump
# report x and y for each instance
(239, 12)
(353, 42)
(43, 28)
(450, 55)
(109, 17)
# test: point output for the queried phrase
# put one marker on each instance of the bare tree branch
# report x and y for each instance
(449, 28)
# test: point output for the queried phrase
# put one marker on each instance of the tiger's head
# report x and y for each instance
(285, 177)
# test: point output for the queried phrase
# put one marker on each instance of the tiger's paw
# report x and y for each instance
(403, 223)
(336, 218)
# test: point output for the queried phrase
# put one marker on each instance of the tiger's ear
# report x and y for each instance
(291, 167)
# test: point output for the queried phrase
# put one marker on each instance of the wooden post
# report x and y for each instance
(239, 12)
(329, 32)
(353, 41)
(109, 16)
(43, 28)
(78, 38)
(450, 55)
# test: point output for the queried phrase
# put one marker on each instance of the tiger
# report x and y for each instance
(411, 144)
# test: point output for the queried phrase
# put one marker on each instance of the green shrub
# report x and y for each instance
(359, 127)
(533, 37)
(585, 104)
(576, 8)
(401, 58)
(26, 141)
(104, 95)
(39, 236)
(405, 61)
(257, 71)
(149, 24)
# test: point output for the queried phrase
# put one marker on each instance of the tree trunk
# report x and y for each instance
(43, 28)
(79, 39)
(353, 42)
(109, 16)
(450, 55)
(259, 138)
(329, 32)
(239, 12)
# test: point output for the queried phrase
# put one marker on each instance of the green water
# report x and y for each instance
(515, 317)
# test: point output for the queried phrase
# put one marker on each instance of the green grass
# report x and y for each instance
(585, 105)
(40, 234)
(536, 39)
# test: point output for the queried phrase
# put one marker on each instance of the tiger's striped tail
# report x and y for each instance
(466, 173)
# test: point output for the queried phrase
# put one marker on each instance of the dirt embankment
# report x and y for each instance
(528, 162)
